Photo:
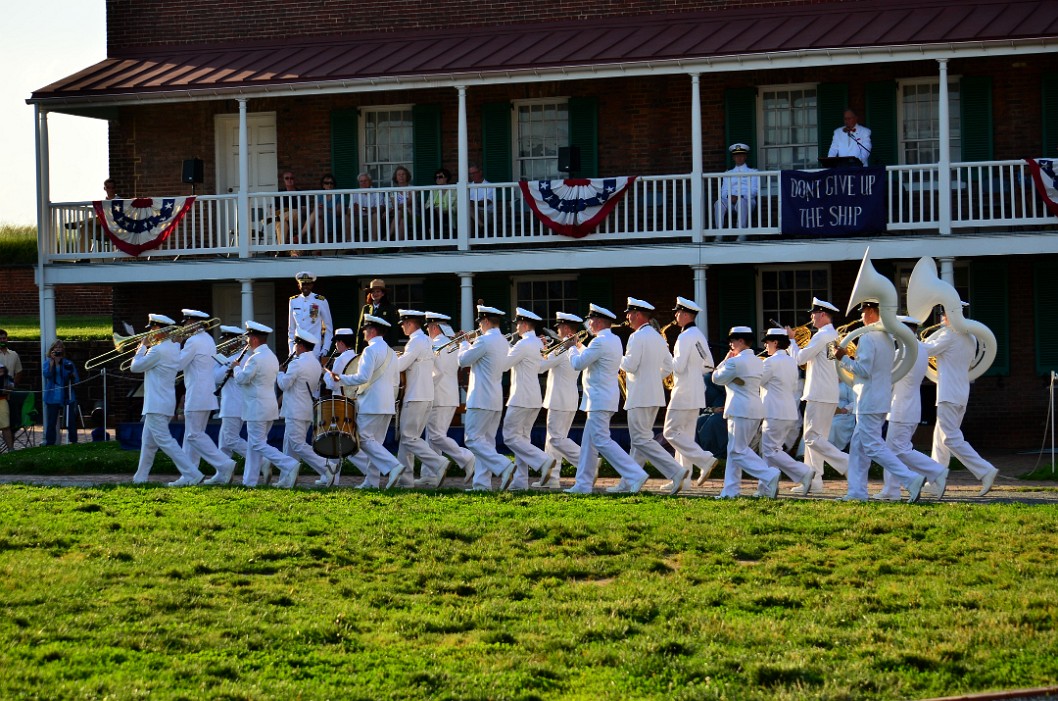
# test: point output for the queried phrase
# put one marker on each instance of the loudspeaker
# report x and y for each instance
(569, 159)
(192, 171)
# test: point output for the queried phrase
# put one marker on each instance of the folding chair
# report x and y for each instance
(24, 417)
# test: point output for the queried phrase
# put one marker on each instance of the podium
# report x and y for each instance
(840, 162)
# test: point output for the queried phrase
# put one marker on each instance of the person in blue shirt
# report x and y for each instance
(60, 376)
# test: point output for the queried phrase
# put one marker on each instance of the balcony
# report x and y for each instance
(983, 197)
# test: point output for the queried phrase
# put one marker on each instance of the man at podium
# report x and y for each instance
(852, 140)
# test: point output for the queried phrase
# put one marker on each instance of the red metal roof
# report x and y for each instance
(623, 40)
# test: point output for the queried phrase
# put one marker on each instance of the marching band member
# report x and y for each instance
(256, 375)
(872, 372)
(444, 404)
(416, 362)
(159, 363)
(691, 361)
(299, 381)
(486, 358)
(778, 391)
(229, 441)
(344, 340)
(197, 363)
(376, 377)
(600, 362)
(820, 395)
(741, 372)
(954, 352)
(905, 412)
(561, 400)
(525, 402)
(310, 312)
(647, 363)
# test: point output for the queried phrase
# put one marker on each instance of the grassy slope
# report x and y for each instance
(227, 593)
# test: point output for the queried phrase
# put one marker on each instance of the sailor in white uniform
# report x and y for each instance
(310, 312)
(561, 399)
(525, 401)
(416, 362)
(445, 402)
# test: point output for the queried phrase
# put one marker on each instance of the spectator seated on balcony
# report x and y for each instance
(738, 194)
(289, 212)
(366, 209)
(441, 206)
(402, 214)
(853, 139)
(482, 199)
(91, 230)
(329, 219)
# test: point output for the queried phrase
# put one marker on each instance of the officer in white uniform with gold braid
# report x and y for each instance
(311, 312)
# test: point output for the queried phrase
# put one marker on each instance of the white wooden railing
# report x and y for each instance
(984, 195)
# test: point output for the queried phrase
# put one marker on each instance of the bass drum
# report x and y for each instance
(335, 428)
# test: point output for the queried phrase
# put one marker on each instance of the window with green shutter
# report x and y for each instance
(1044, 302)
(879, 115)
(989, 304)
(740, 120)
(594, 288)
(736, 301)
(345, 146)
(975, 93)
(1049, 99)
(496, 141)
(426, 143)
(832, 99)
(584, 133)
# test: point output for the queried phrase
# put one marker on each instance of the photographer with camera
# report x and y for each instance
(60, 375)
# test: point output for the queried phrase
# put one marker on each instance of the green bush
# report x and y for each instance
(18, 244)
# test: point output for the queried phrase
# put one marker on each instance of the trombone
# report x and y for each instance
(453, 345)
(560, 347)
(124, 345)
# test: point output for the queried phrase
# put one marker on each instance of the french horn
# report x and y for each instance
(870, 284)
(926, 290)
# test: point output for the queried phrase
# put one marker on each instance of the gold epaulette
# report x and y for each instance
(319, 297)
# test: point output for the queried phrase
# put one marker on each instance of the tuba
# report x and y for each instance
(926, 290)
(871, 284)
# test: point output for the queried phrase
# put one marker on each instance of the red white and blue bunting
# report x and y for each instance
(143, 223)
(574, 207)
(1043, 174)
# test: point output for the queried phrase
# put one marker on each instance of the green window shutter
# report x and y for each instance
(594, 288)
(1049, 95)
(494, 291)
(345, 146)
(584, 133)
(881, 118)
(496, 141)
(734, 306)
(975, 107)
(989, 304)
(441, 294)
(1044, 302)
(740, 120)
(426, 143)
(832, 99)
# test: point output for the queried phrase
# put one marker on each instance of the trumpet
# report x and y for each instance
(229, 346)
(453, 345)
(560, 347)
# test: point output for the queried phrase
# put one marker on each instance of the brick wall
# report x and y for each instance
(212, 21)
(21, 296)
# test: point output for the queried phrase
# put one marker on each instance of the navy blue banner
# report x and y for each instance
(834, 202)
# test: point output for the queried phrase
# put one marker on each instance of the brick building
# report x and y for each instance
(957, 95)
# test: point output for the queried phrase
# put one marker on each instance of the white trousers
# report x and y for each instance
(598, 441)
(643, 446)
(776, 436)
(228, 440)
(867, 446)
(480, 426)
(297, 430)
(259, 450)
(818, 417)
(517, 431)
(558, 443)
(437, 438)
(948, 440)
(898, 438)
(373, 458)
(741, 458)
(730, 215)
(197, 443)
(680, 428)
(413, 418)
(156, 435)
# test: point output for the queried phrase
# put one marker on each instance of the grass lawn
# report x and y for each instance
(126, 592)
(71, 327)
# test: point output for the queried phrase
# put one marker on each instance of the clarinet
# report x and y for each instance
(231, 371)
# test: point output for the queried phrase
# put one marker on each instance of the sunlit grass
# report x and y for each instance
(231, 593)
(71, 327)
(18, 244)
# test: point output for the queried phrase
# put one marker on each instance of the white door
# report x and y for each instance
(227, 306)
(261, 134)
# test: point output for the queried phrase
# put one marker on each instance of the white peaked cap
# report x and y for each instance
(777, 332)
(437, 316)
(634, 303)
(740, 331)
(255, 326)
(689, 305)
(596, 310)
(233, 330)
(823, 304)
(194, 314)
(409, 312)
(573, 318)
(491, 311)
(159, 319)
(520, 313)
(377, 321)
(308, 337)
(305, 275)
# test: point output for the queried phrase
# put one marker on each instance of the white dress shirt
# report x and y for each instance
(486, 358)
(872, 372)
(197, 363)
(954, 352)
(646, 363)
(159, 365)
(778, 387)
(378, 365)
(599, 362)
(747, 186)
(300, 384)
(523, 360)
(560, 392)
(445, 375)
(340, 366)
(821, 374)
(231, 402)
(257, 377)
(416, 362)
(906, 407)
(743, 399)
(691, 360)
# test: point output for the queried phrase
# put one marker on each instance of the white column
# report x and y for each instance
(247, 300)
(699, 297)
(944, 164)
(466, 301)
(947, 270)
(697, 186)
(44, 234)
(462, 191)
(244, 192)
(48, 332)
